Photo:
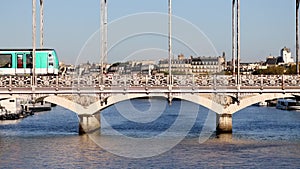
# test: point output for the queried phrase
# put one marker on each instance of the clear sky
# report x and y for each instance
(266, 26)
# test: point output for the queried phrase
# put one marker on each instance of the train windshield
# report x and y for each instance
(5, 60)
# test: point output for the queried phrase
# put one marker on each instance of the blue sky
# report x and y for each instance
(266, 26)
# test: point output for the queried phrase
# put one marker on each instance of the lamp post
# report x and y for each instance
(33, 42)
(103, 27)
(170, 42)
(41, 23)
(233, 38)
(297, 37)
(238, 46)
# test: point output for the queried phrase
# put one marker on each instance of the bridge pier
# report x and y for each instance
(89, 123)
(224, 123)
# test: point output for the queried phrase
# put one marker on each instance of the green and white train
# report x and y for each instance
(20, 61)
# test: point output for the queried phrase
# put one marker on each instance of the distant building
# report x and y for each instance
(271, 61)
(141, 67)
(249, 68)
(114, 68)
(285, 56)
(179, 66)
(208, 65)
(199, 65)
(133, 67)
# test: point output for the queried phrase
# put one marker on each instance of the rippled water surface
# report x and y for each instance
(263, 137)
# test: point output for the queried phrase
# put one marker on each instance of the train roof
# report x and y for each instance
(44, 49)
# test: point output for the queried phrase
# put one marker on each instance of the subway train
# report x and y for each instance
(20, 61)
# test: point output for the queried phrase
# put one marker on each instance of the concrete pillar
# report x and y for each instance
(89, 123)
(224, 123)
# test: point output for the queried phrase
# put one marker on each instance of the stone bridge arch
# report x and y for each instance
(89, 116)
(97, 106)
(115, 98)
(252, 99)
(203, 101)
(66, 103)
(245, 101)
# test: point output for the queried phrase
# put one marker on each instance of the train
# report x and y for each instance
(20, 62)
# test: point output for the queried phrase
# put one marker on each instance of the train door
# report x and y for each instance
(20, 68)
(28, 63)
(50, 66)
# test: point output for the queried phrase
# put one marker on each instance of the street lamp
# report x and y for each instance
(103, 27)
(33, 42)
(41, 23)
(233, 38)
(297, 37)
(170, 42)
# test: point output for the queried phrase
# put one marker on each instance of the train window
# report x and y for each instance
(20, 61)
(5, 60)
(50, 60)
(28, 61)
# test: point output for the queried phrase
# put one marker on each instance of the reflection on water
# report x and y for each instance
(226, 137)
(9, 122)
(262, 138)
(81, 152)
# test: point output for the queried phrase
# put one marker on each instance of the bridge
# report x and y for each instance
(88, 95)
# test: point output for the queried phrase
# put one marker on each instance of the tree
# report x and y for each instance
(272, 70)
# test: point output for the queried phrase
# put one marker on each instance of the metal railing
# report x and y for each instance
(151, 81)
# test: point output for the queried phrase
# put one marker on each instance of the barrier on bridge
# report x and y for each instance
(144, 80)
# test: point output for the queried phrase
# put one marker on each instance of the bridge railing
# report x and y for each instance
(145, 80)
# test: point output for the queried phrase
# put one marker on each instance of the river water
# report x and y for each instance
(263, 137)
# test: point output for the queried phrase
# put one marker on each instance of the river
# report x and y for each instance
(263, 137)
